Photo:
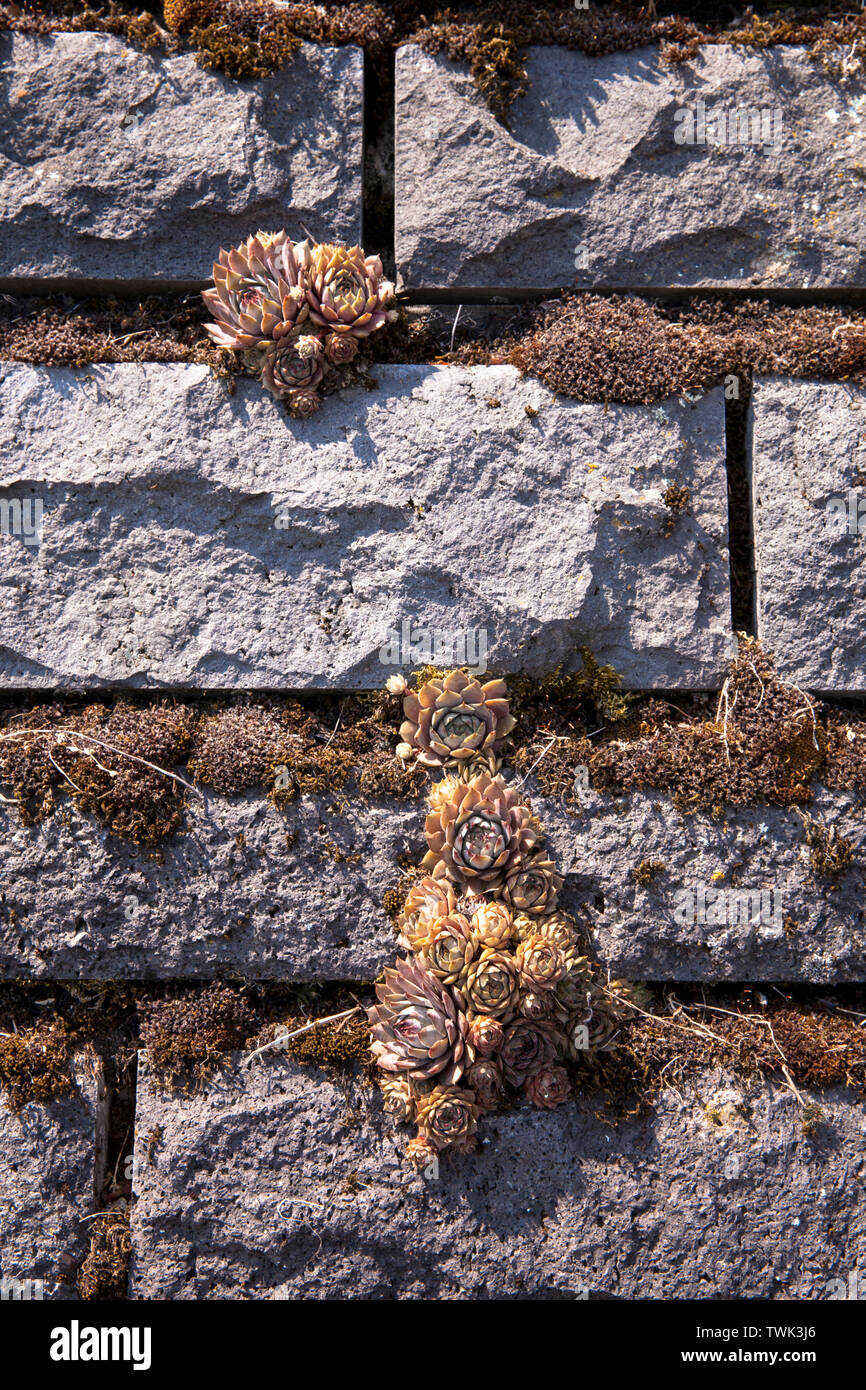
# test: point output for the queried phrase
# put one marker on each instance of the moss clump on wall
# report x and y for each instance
(588, 347)
(819, 1047)
(129, 763)
(57, 331)
(104, 1271)
(185, 1037)
(104, 759)
(35, 1063)
(762, 741)
(632, 350)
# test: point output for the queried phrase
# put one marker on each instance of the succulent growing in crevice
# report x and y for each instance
(296, 311)
(417, 1027)
(428, 899)
(479, 833)
(347, 292)
(493, 924)
(448, 1115)
(449, 949)
(258, 296)
(496, 997)
(294, 366)
(455, 720)
(532, 888)
(549, 1087)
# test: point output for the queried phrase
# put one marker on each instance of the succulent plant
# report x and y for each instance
(293, 364)
(341, 348)
(421, 1153)
(449, 948)
(527, 1047)
(558, 928)
(493, 925)
(398, 1097)
(417, 1027)
(485, 1080)
(455, 719)
(485, 1034)
(479, 833)
(571, 987)
(303, 403)
(491, 983)
(258, 296)
(444, 791)
(548, 1087)
(541, 964)
(497, 994)
(427, 900)
(448, 1115)
(346, 290)
(533, 888)
(536, 1003)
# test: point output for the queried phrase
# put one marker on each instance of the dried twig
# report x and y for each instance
(287, 1037)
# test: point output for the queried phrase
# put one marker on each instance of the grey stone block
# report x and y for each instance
(808, 450)
(232, 897)
(589, 160)
(229, 897)
(279, 1182)
(199, 539)
(122, 165)
(52, 1166)
(764, 914)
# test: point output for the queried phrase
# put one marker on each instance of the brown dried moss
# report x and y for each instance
(647, 871)
(588, 347)
(35, 1063)
(829, 852)
(61, 332)
(764, 742)
(235, 749)
(99, 757)
(819, 1047)
(104, 1271)
(186, 1037)
(632, 350)
(328, 1044)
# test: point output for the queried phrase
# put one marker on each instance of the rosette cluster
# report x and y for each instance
(297, 310)
(494, 998)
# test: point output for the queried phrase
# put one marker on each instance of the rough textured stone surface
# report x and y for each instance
(280, 1183)
(813, 928)
(52, 1165)
(808, 450)
(74, 902)
(589, 160)
(117, 164)
(434, 500)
